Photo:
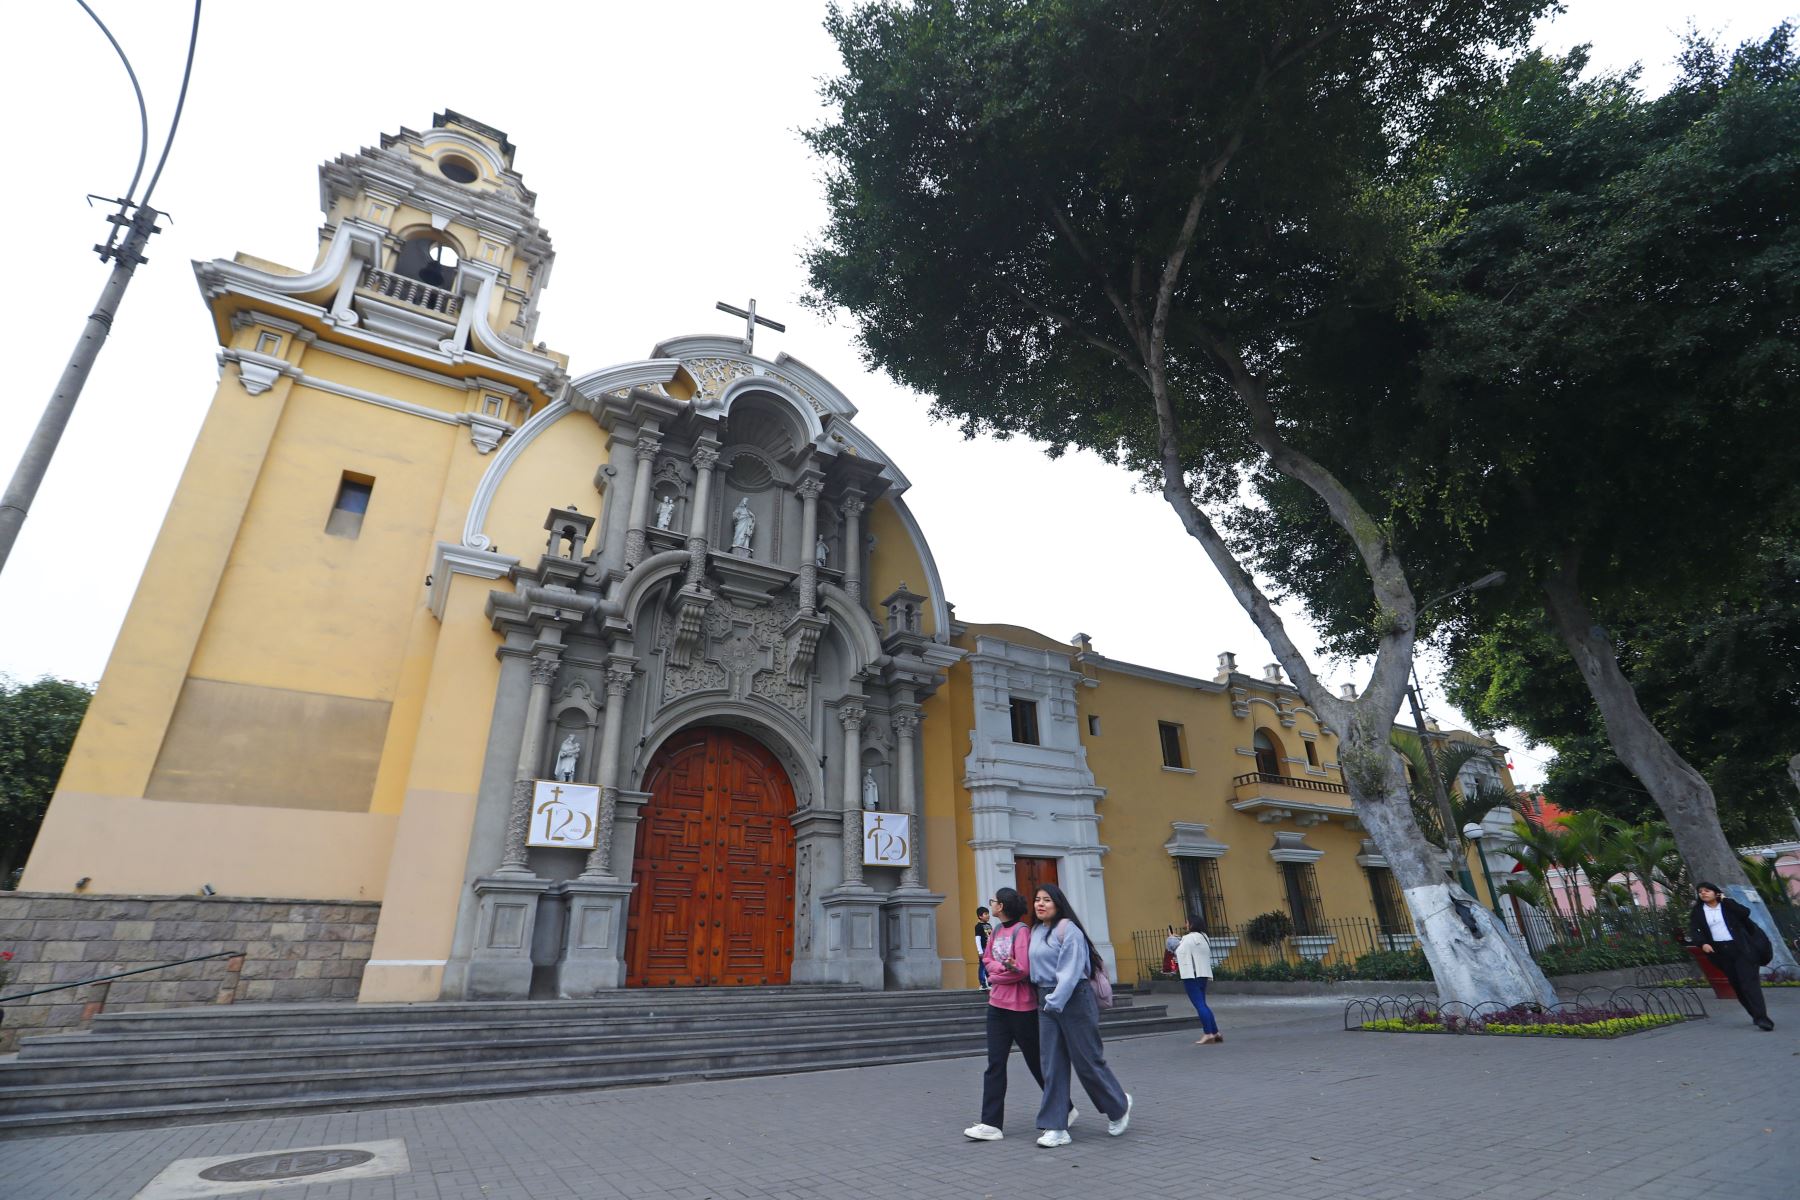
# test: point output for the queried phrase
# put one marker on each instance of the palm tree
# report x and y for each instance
(1647, 849)
(1449, 758)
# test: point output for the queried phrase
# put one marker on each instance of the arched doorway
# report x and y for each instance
(714, 868)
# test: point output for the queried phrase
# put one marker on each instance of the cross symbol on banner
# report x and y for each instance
(751, 321)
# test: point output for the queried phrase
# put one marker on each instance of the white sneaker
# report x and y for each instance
(1053, 1137)
(983, 1133)
(1117, 1127)
(1074, 1116)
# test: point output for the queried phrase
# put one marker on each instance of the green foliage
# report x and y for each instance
(1770, 883)
(1007, 183)
(1615, 954)
(1720, 680)
(1392, 964)
(1270, 928)
(1283, 971)
(38, 722)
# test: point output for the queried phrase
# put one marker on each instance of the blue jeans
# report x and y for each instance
(1196, 990)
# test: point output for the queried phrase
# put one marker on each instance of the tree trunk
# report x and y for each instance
(1681, 792)
(1473, 957)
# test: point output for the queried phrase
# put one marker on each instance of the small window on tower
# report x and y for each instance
(352, 503)
(1170, 735)
(268, 343)
(1093, 725)
(1312, 753)
(429, 259)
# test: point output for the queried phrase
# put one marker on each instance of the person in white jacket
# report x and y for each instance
(1193, 956)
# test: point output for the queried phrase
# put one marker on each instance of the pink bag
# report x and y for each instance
(1103, 993)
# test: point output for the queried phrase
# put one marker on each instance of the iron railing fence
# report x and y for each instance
(1333, 947)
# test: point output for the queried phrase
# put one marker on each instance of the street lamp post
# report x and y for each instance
(1439, 791)
(1474, 831)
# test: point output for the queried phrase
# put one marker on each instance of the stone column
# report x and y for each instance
(810, 487)
(638, 519)
(706, 457)
(852, 716)
(853, 511)
(906, 724)
(620, 670)
(518, 820)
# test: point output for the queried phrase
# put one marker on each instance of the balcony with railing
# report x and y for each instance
(1272, 798)
(406, 290)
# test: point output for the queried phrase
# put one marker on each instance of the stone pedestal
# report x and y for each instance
(909, 940)
(500, 967)
(593, 952)
(853, 939)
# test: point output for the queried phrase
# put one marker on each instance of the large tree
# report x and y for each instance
(1603, 375)
(1721, 682)
(1126, 227)
(38, 722)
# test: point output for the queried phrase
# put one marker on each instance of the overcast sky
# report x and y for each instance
(662, 140)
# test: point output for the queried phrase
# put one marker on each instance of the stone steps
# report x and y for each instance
(184, 1065)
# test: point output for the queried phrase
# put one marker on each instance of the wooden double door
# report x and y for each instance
(714, 867)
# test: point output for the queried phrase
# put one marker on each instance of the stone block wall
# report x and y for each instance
(294, 950)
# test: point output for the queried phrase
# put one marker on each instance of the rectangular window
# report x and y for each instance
(352, 503)
(268, 343)
(1171, 744)
(1302, 887)
(1390, 905)
(1093, 726)
(1024, 721)
(1201, 895)
(1312, 753)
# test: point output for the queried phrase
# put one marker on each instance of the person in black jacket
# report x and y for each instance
(1723, 930)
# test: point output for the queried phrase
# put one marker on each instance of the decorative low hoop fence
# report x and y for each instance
(1589, 1013)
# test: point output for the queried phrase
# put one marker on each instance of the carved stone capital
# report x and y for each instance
(809, 489)
(852, 715)
(543, 670)
(906, 723)
(648, 448)
(619, 674)
(706, 458)
(854, 505)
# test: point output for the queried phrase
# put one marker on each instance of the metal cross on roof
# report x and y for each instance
(751, 321)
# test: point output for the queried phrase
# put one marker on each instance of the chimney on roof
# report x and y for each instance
(1348, 691)
(1227, 664)
(1272, 673)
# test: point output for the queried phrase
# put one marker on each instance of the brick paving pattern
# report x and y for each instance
(1290, 1107)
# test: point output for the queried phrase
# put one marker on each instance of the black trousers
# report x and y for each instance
(1005, 1028)
(1746, 977)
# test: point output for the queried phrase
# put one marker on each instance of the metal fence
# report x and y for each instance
(1333, 946)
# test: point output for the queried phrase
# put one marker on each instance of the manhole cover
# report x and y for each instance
(294, 1165)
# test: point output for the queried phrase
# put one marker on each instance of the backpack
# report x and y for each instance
(1103, 990)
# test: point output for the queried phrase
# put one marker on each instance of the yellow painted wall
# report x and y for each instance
(557, 470)
(895, 560)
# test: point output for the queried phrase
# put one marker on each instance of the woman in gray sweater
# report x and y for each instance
(1062, 961)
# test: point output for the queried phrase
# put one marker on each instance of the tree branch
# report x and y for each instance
(1134, 329)
(1093, 339)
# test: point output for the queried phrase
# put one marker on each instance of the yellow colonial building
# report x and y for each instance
(636, 676)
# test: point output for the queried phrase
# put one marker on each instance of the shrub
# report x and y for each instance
(1392, 964)
(1270, 929)
(1610, 954)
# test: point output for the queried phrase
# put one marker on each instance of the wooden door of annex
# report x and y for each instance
(714, 867)
(1030, 873)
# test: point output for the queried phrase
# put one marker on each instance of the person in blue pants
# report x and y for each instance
(1193, 958)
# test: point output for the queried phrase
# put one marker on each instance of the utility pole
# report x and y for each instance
(1452, 834)
(136, 223)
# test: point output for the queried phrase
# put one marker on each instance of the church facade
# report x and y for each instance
(640, 676)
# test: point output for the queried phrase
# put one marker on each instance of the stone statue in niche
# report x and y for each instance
(821, 552)
(871, 791)
(665, 512)
(567, 756)
(743, 526)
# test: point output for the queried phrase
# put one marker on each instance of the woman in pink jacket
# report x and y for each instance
(1011, 1014)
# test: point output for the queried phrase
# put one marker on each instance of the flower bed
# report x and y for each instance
(1589, 1014)
(1602, 1027)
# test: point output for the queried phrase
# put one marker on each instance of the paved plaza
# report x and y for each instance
(1290, 1106)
